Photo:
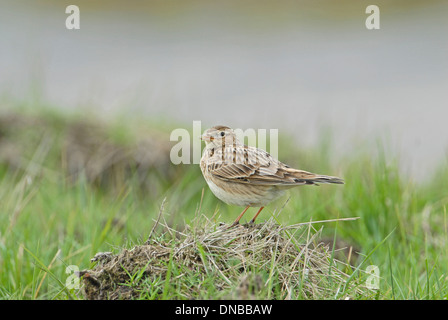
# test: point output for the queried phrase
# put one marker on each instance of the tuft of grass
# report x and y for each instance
(210, 261)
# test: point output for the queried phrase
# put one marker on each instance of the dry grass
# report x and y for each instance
(262, 261)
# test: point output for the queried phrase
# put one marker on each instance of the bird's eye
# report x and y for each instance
(222, 133)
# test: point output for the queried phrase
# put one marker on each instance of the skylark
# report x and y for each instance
(248, 176)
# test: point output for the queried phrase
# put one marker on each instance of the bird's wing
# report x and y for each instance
(254, 166)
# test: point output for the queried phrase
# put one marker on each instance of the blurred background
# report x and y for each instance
(299, 66)
(85, 118)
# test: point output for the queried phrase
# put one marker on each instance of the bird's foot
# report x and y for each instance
(234, 224)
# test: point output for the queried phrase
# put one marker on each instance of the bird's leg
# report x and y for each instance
(237, 221)
(255, 217)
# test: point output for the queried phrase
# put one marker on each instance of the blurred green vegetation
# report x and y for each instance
(72, 186)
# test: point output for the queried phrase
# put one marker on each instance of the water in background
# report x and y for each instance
(293, 65)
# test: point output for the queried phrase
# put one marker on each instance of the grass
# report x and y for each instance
(70, 188)
(260, 261)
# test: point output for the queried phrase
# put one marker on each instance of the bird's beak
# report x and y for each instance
(206, 138)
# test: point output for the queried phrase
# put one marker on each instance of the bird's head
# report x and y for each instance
(218, 136)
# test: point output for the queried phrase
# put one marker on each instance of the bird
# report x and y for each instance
(246, 176)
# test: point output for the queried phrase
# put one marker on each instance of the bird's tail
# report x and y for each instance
(301, 176)
(327, 179)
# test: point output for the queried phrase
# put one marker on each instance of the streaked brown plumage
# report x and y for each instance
(247, 176)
